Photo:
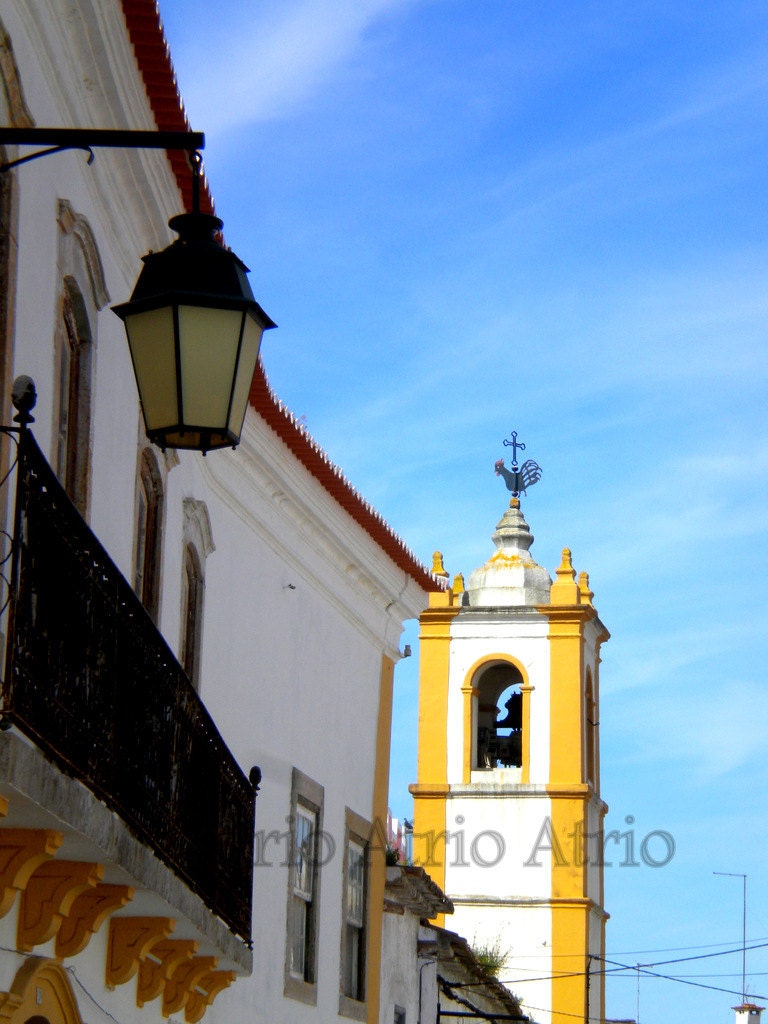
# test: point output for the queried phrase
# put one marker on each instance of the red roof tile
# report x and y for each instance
(145, 30)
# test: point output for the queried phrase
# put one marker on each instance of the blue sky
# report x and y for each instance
(469, 218)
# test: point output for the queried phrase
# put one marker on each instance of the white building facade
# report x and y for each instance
(267, 595)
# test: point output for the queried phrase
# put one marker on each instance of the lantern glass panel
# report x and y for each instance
(249, 353)
(151, 341)
(209, 340)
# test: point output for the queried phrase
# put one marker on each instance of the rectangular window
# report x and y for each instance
(355, 921)
(303, 889)
(399, 1015)
(303, 870)
(354, 918)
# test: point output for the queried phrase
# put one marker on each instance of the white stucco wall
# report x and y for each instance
(401, 970)
(300, 604)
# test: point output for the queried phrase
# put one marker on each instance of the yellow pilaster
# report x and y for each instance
(431, 788)
(469, 693)
(526, 692)
(378, 867)
(572, 903)
(567, 617)
(570, 942)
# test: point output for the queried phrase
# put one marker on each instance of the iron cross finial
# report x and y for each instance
(518, 478)
(514, 444)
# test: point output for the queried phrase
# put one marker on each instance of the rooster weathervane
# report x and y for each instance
(518, 478)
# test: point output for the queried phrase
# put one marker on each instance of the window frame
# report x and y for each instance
(307, 800)
(148, 542)
(198, 545)
(193, 590)
(353, 995)
(83, 293)
(74, 372)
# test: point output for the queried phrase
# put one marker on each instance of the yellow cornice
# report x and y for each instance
(578, 790)
(438, 616)
(435, 791)
(577, 613)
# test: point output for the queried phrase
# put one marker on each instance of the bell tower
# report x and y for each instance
(507, 809)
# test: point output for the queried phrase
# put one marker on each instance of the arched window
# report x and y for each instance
(499, 723)
(149, 532)
(193, 586)
(73, 348)
(83, 294)
(198, 544)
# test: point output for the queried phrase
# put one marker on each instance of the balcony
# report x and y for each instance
(92, 683)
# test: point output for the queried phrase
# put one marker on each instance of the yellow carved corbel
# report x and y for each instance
(159, 964)
(130, 940)
(183, 980)
(48, 898)
(205, 992)
(89, 911)
(22, 851)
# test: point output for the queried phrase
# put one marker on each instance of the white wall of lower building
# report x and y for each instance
(401, 969)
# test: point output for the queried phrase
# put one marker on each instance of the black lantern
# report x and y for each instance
(194, 331)
(194, 328)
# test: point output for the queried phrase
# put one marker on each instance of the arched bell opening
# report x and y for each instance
(499, 725)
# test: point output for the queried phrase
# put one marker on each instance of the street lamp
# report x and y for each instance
(194, 328)
(194, 331)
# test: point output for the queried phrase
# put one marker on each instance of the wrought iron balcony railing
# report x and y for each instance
(92, 682)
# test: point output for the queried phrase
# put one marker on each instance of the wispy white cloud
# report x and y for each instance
(684, 517)
(274, 56)
(713, 731)
(670, 656)
(645, 159)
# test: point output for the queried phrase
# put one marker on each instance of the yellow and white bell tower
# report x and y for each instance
(508, 816)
